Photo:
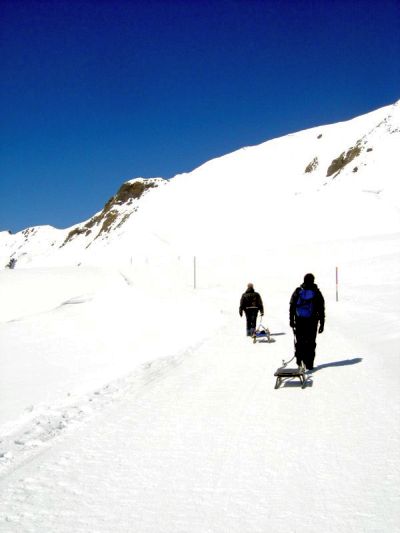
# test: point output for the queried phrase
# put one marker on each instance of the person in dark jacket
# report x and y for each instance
(306, 311)
(251, 303)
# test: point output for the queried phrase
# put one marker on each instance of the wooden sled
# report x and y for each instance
(285, 373)
(261, 333)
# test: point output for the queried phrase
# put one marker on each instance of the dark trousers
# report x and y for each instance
(306, 334)
(251, 319)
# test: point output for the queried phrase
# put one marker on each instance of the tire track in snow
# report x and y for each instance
(20, 444)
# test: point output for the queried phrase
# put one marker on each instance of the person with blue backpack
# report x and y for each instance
(306, 311)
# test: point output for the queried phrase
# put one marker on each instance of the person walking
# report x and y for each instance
(251, 303)
(306, 311)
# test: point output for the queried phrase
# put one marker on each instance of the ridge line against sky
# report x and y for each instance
(95, 93)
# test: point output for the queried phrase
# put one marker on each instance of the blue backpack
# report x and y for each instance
(305, 303)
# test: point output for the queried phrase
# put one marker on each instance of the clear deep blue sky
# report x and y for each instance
(96, 92)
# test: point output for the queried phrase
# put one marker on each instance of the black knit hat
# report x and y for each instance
(309, 279)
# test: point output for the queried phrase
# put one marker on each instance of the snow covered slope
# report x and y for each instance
(326, 182)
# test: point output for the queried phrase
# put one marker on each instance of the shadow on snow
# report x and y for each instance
(344, 362)
(270, 340)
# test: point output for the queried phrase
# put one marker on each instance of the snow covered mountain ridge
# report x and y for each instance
(326, 182)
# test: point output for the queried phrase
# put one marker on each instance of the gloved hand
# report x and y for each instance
(240, 312)
(262, 314)
(321, 328)
(292, 324)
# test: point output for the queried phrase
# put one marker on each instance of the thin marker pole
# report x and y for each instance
(337, 284)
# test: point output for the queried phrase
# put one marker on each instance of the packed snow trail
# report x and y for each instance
(206, 444)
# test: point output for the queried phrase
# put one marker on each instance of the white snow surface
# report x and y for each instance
(130, 397)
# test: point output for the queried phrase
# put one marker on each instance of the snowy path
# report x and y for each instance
(202, 442)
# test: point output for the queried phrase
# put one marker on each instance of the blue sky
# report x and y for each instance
(97, 92)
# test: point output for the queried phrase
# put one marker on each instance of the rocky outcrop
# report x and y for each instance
(311, 166)
(111, 216)
(344, 159)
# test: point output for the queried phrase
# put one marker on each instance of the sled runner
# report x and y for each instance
(261, 332)
(284, 373)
